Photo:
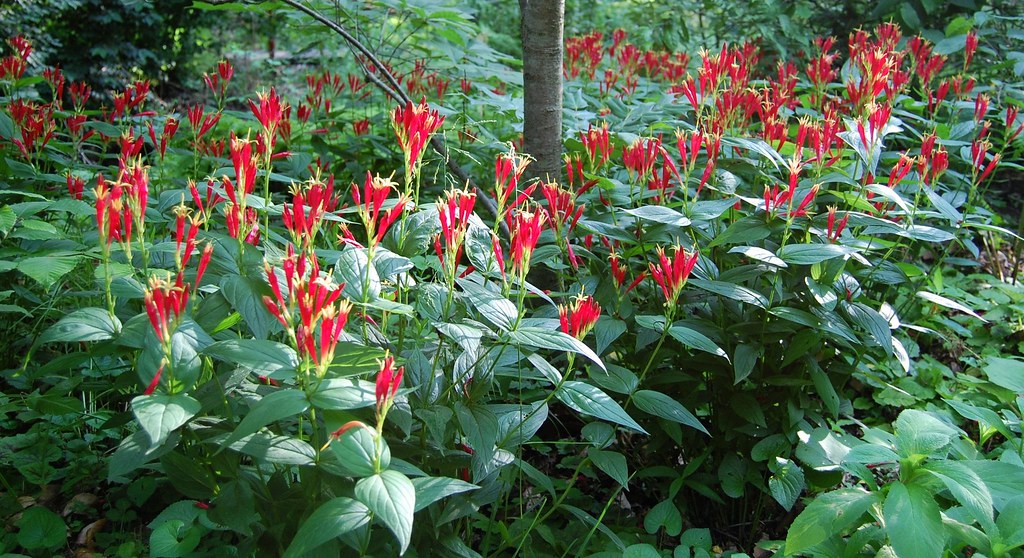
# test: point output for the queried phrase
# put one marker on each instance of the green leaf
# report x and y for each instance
(948, 303)
(660, 214)
(356, 451)
(987, 418)
(731, 290)
(47, 270)
(332, 519)
(265, 357)
(432, 489)
(826, 517)
(607, 330)
(743, 361)
(612, 463)
(967, 487)
(40, 528)
(188, 476)
(696, 340)
(822, 384)
(280, 450)
(271, 408)
(873, 322)
(539, 338)
(590, 400)
(747, 229)
(664, 514)
(7, 219)
(85, 324)
(809, 254)
(786, 483)
(344, 394)
(173, 539)
(246, 297)
(661, 405)
(759, 254)
(921, 433)
(392, 498)
(497, 309)
(159, 415)
(1005, 372)
(913, 522)
(353, 270)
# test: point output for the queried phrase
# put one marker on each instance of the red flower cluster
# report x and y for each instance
(370, 204)
(316, 300)
(671, 274)
(12, 67)
(304, 216)
(454, 212)
(35, 121)
(578, 318)
(241, 220)
(414, 124)
(388, 380)
(218, 82)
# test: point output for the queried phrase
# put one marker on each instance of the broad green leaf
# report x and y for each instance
(827, 516)
(264, 357)
(664, 514)
(344, 394)
(868, 318)
(743, 361)
(913, 522)
(356, 451)
(40, 528)
(174, 539)
(696, 340)
(353, 270)
(159, 415)
(1011, 522)
(1002, 479)
(432, 489)
(659, 214)
(921, 433)
(188, 476)
(480, 425)
(271, 408)
(822, 385)
(759, 254)
(47, 270)
(1005, 372)
(769, 447)
(612, 463)
(518, 425)
(539, 338)
(85, 324)
(246, 297)
(987, 418)
(661, 405)
(731, 290)
(948, 303)
(497, 309)
(967, 487)
(808, 254)
(391, 497)
(607, 330)
(590, 400)
(786, 483)
(747, 229)
(134, 452)
(926, 234)
(871, 454)
(280, 450)
(332, 519)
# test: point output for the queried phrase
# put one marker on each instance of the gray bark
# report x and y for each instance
(542, 23)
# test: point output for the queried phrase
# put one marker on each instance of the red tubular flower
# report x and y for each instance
(200, 124)
(370, 206)
(900, 170)
(834, 228)
(413, 125)
(388, 380)
(579, 318)
(76, 186)
(597, 143)
(640, 156)
(671, 274)
(970, 46)
(980, 107)
(454, 213)
(310, 202)
(270, 113)
(526, 229)
(164, 304)
(562, 211)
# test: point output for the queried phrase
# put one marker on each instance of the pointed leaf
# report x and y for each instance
(787, 483)
(391, 497)
(661, 405)
(332, 519)
(808, 254)
(265, 357)
(590, 400)
(539, 338)
(696, 340)
(85, 324)
(612, 463)
(913, 522)
(827, 516)
(432, 489)
(159, 415)
(272, 408)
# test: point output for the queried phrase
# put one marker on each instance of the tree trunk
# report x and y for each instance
(542, 22)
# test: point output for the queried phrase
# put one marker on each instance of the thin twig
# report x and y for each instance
(393, 90)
